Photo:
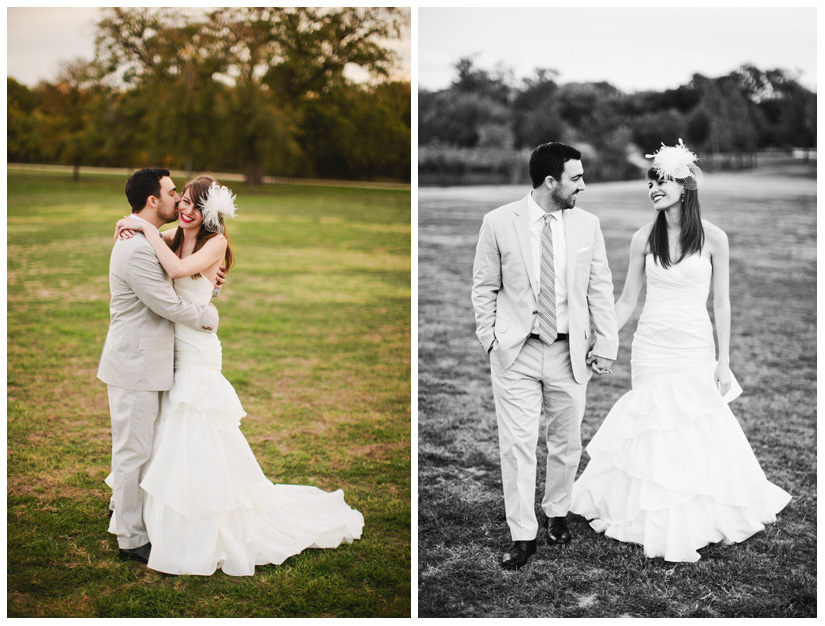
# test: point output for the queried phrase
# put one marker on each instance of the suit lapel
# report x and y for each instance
(521, 221)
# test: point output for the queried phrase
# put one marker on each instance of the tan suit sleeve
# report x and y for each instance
(147, 279)
(600, 301)
(486, 283)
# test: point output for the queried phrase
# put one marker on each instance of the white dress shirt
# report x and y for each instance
(536, 214)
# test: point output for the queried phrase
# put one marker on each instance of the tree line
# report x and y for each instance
(483, 126)
(258, 90)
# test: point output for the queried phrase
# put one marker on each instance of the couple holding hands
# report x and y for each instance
(670, 467)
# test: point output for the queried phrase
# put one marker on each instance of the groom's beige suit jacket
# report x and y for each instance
(505, 290)
(139, 349)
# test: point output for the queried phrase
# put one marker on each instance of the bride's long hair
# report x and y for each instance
(198, 187)
(692, 237)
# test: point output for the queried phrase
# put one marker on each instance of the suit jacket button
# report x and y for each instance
(535, 312)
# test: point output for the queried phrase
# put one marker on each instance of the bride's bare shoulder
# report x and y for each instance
(711, 230)
(640, 237)
(715, 237)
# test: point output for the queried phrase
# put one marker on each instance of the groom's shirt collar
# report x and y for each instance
(536, 213)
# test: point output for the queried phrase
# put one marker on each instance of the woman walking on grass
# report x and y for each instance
(670, 467)
(207, 503)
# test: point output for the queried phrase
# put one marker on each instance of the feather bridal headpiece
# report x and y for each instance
(217, 206)
(677, 163)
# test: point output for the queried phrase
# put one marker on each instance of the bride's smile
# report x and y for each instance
(662, 193)
(188, 215)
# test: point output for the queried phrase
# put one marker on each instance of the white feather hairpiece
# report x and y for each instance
(218, 201)
(677, 163)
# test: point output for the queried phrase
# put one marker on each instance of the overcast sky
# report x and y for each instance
(634, 49)
(40, 38)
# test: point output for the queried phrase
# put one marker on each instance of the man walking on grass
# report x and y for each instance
(543, 299)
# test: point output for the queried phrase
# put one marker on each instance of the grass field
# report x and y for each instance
(315, 326)
(770, 218)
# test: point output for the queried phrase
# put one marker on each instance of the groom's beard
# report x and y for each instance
(564, 202)
(167, 213)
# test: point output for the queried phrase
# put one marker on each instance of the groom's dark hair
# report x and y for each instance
(549, 159)
(142, 184)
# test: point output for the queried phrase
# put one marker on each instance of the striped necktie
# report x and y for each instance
(547, 286)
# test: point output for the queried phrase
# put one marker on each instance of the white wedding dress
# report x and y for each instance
(207, 504)
(670, 467)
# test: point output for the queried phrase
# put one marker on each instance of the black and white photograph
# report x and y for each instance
(616, 312)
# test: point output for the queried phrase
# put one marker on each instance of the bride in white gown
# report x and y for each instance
(207, 503)
(670, 467)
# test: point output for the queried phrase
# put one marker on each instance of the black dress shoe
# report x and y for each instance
(141, 554)
(557, 531)
(519, 554)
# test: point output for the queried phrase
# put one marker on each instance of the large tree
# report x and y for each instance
(21, 118)
(263, 90)
(243, 81)
(171, 62)
(66, 107)
(284, 59)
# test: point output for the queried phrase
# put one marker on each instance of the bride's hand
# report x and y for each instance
(722, 377)
(126, 228)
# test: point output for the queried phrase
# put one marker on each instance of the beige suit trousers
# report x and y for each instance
(540, 378)
(133, 425)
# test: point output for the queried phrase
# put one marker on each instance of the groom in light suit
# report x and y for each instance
(543, 300)
(137, 362)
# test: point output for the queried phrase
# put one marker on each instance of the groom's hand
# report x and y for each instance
(599, 365)
(221, 279)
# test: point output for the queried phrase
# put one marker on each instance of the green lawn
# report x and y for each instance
(315, 326)
(770, 218)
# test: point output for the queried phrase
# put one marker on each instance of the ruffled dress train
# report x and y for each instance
(670, 468)
(207, 503)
